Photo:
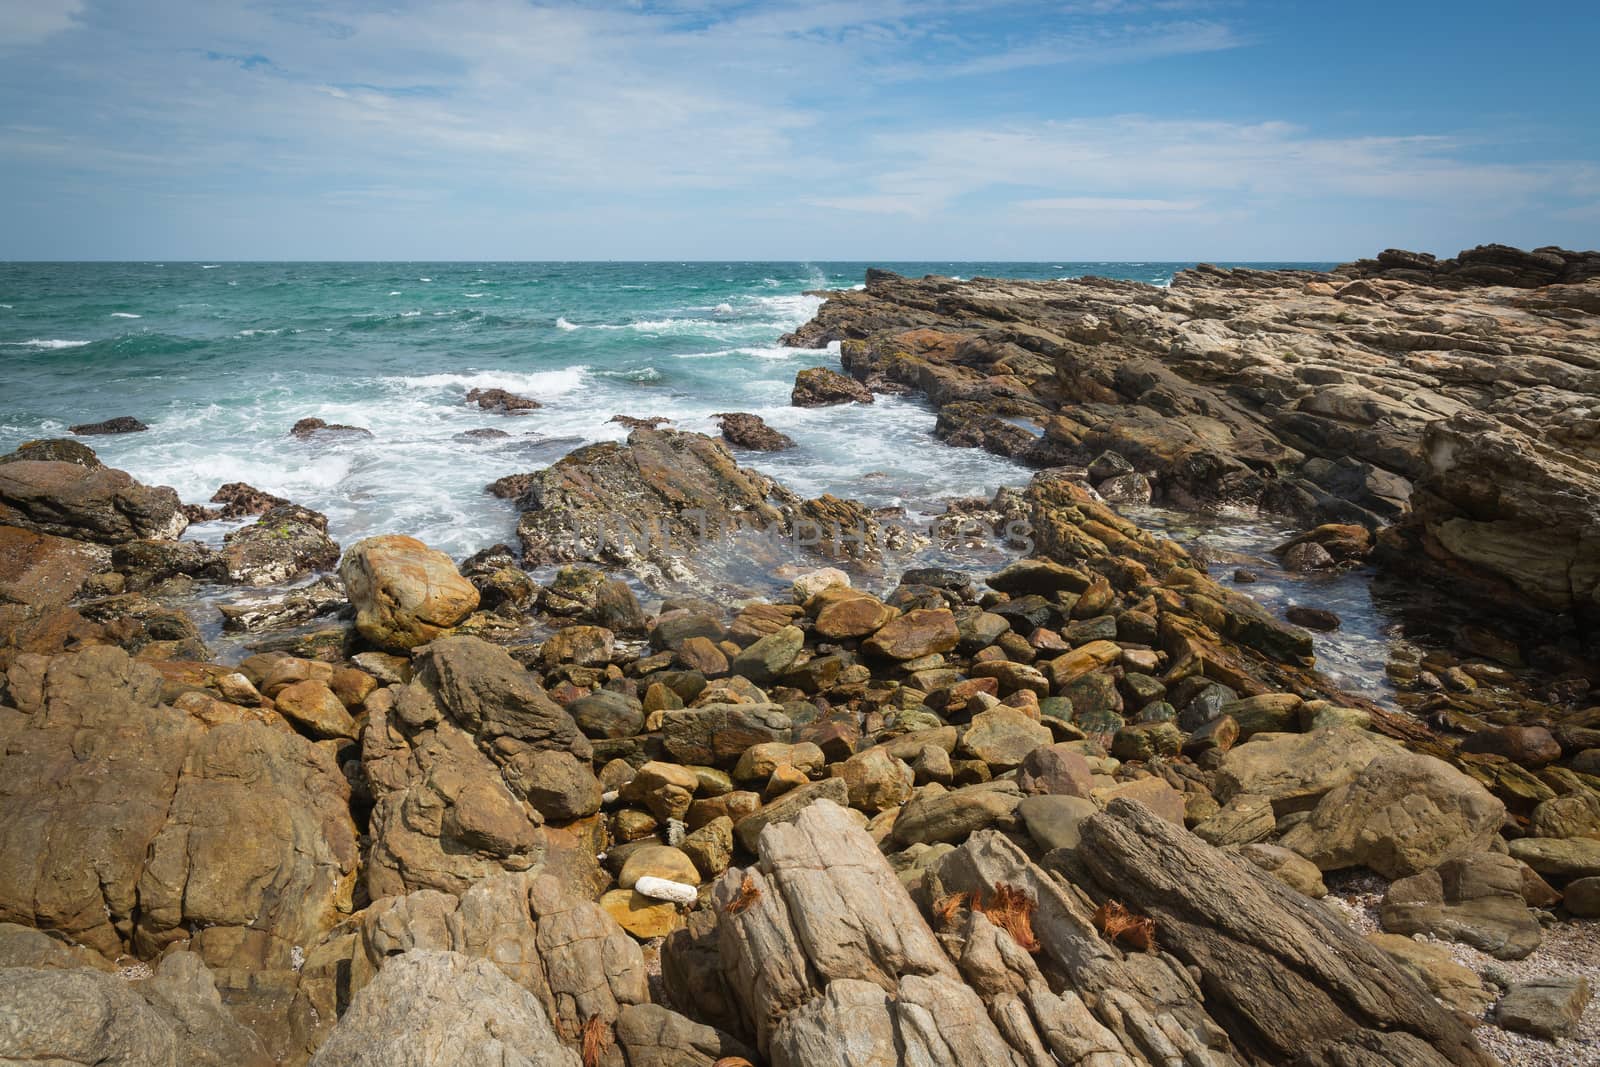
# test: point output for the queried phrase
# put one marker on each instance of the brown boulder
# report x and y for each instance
(86, 503)
(404, 592)
(917, 633)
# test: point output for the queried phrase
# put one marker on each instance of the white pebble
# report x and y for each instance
(665, 889)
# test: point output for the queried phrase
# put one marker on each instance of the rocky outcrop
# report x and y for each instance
(287, 542)
(501, 400)
(314, 429)
(743, 430)
(1481, 266)
(818, 954)
(819, 387)
(1456, 389)
(664, 501)
(85, 503)
(405, 593)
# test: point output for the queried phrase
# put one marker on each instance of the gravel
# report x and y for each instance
(1570, 947)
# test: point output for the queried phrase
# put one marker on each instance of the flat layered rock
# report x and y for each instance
(1329, 994)
(85, 503)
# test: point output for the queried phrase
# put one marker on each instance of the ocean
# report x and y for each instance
(221, 359)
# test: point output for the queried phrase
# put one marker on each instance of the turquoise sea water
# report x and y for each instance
(221, 359)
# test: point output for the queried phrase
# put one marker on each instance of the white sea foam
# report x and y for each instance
(6, 306)
(40, 343)
(125, 315)
(210, 266)
(394, 292)
(563, 324)
(409, 314)
(639, 374)
(472, 296)
(537, 384)
(759, 352)
(724, 309)
(424, 279)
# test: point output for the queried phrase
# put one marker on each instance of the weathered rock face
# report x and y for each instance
(404, 592)
(64, 1013)
(465, 764)
(1471, 380)
(563, 949)
(124, 819)
(1332, 993)
(40, 572)
(86, 503)
(818, 955)
(1500, 505)
(443, 1009)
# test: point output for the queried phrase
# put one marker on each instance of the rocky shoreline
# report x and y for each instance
(1085, 807)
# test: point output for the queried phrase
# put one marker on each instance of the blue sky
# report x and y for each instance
(874, 129)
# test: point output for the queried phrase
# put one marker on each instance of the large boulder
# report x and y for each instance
(404, 592)
(1402, 813)
(124, 815)
(86, 503)
(1296, 771)
(744, 430)
(1477, 899)
(444, 1009)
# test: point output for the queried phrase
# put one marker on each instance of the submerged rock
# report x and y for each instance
(501, 400)
(120, 424)
(314, 429)
(750, 431)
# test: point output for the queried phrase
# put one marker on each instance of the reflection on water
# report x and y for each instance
(1355, 654)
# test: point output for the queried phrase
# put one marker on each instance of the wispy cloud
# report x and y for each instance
(872, 120)
(27, 22)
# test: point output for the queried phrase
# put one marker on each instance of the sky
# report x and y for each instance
(830, 129)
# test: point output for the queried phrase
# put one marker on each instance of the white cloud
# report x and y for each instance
(1098, 204)
(24, 22)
